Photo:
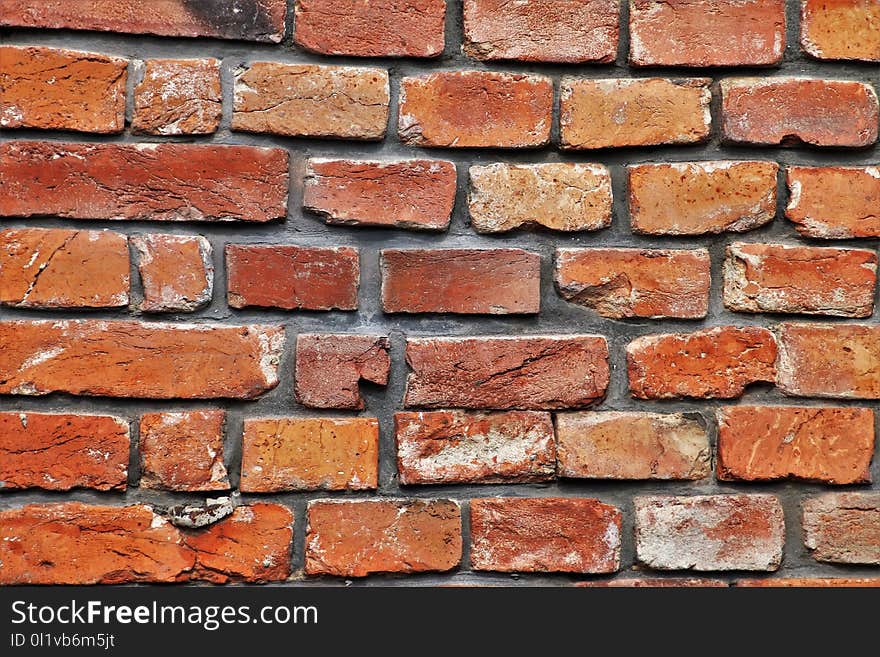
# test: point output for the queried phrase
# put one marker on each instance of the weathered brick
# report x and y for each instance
(292, 277)
(570, 535)
(415, 194)
(465, 281)
(566, 31)
(620, 283)
(806, 280)
(178, 97)
(834, 202)
(56, 89)
(714, 363)
(472, 109)
(613, 113)
(532, 373)
(564, 196)
(843, 527)
(383, 28)
(810, 582)
(790, 111)
(655, 583)
(616, 445)
(63, 451)
(706, 32)
(354, 539)
(841, 29)
(183, 451)
(133, 359)
(710, 532)
(306, 100)
(157, 182)
(55, 268)
(698, 198)
(457, 447)
(177, 272)
(280, 454)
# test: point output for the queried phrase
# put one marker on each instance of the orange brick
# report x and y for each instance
(841, 29)
(834, 202)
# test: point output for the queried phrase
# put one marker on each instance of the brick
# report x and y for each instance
(357, 538)
(699, 198)
(281, 454)
(619, 283)
(613, 113)
(415, 194)
(457, 447)
(464, 281)
(387, 28)
(791, 111)
(710, 532)
(834, 202)
(292, 277)
(655, 583)
(564, 31)
(473, 109)
(823, 444)
(63, 451)
(810, 582)
(178, 97)
(562, 196)
(569, 535)
(177, 272)
(806, 280)
(131, 359)
(706, 33)
(530, 373)
(306, 100)
(183, 451)
(152, 182)
(616, 445)
(57, 89)
(840, 361)
(248, 20)
(843, 527)
(55, 268)
(841, 29)
(713, 363)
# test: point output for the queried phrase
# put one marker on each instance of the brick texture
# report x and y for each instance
(177, 272)
(178, 97)
(834, 202)
(843, 29)
(843, 527)
(329, 368)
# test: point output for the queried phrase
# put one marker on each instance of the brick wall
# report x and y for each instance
(329, 289)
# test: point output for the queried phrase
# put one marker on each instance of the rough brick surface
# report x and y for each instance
(655, 583)
(177, 272)
(178, 97)
(843, 527)
(834, 202)
(841, 29)
(810, 582)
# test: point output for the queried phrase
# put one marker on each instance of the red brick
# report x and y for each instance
(456, 447)
(132, 359)
(566, 31)
(292, 277)
(415, 194)
(532, 373)
(841, 29)
(843, 527)
(54, 268)
(383, 28)
(713, 363)
(177, 272)
(281, 454)
(706, 33)
(465, 281)
(357, 538)
(620, 283)
(790, 111)
(472, 109)
(178, 97)
(63, 451)
(840, 361)
(183, 451)
(698, 198)
(306, 100)
(710, 532)
(157, 182)
(834, 202)
(824, 444)
(56, 89)
(633, 112)
(655, 583)
(614, 445)
(810, 582)
(806, 280)
(569, 535)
